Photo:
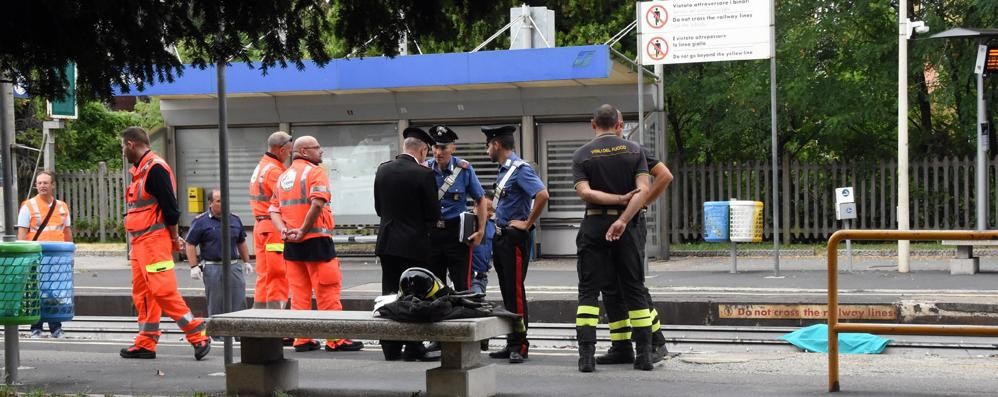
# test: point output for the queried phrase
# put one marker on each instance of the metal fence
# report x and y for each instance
(942, 195)
(96, 202)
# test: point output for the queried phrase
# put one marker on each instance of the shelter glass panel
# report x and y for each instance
(352, 154)
(197, 165)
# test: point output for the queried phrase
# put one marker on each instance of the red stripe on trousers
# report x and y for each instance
(470, 261)
(519, 280)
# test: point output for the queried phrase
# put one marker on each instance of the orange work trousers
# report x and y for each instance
(271, 271)
(154, 291)
(322, 278)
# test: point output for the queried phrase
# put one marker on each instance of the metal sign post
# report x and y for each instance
(845, 209)
(692, 31)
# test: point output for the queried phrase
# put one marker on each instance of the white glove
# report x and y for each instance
(196, 272)
(247, 268)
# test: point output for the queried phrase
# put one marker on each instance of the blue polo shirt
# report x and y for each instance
(518, 193)
(455, 200)
(206, 233)
(481, 256)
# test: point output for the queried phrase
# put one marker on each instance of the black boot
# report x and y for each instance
(643, 353)
(621, 352)
(587, 363)
(659, 351)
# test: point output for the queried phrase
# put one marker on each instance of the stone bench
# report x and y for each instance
(965, 261)
(263, 368)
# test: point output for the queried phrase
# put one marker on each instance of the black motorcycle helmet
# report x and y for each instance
(419, 282)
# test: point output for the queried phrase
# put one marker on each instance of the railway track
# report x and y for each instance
(564, 334)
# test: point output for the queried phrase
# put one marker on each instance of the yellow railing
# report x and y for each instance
(834, 327)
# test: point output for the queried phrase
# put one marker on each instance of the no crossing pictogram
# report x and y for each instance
(657, 48)
(656, 17)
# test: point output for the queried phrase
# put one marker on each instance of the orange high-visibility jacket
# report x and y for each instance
(296, 188)
(53, 230)
(261, 190)
(144, 218)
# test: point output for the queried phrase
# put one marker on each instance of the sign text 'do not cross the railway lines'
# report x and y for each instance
(703, 31)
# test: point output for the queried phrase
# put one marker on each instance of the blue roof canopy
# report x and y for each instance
(372, 73)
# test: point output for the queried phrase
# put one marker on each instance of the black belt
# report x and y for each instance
(603, 211)
(262, 217)
(219, 262)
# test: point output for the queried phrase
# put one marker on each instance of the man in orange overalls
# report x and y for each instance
(271, 275)
(300, 211)
(151, 225)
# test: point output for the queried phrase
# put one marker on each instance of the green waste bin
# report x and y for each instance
(19, 297)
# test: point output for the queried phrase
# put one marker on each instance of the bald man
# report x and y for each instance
(301, 214)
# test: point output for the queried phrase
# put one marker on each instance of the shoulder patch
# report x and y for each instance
(464, 164)
(287, 179)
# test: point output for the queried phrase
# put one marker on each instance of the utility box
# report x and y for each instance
(195, 199)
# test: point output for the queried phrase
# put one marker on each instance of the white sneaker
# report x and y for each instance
(58, 334)
(36, 334)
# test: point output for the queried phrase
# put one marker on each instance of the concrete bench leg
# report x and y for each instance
(461, 372)
(965, 263)
(263, 369)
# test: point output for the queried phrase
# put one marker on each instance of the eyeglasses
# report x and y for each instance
(312, 147)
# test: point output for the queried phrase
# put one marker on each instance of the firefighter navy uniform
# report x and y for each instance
(610, 164)
(616, 311)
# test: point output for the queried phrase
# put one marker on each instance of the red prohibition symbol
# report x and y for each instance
(657, 48)
(657, 16)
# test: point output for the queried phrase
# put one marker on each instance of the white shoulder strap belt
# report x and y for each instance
(502, 184)
(448, 182)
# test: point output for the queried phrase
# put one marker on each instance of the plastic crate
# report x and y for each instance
(56, 277)
(715, 221)
(746, 221)
(19, 303)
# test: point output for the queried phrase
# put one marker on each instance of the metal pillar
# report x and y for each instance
(663, 230)
(11, 345)
(981, 170)
(223, 170)
(904, 246)
(773, 139)
(48, 146)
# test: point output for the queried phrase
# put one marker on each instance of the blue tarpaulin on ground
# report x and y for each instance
(815, 339)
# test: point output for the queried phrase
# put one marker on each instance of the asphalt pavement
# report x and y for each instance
(87, 363)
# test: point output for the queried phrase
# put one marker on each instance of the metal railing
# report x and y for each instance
(834, 327)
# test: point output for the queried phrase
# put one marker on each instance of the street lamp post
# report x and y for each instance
(983, 66)
(905, 27)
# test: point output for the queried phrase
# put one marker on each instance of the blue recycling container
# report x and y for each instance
(56, 276)
(715, 221)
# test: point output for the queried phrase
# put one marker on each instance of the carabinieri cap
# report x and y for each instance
(418, 133)
(493, 132)
(442, 135)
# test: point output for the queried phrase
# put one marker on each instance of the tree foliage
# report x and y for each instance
(118, 43)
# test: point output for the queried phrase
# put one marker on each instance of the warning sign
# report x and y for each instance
(806, 312)
(656, 17)
(657, 48)
(703, 30)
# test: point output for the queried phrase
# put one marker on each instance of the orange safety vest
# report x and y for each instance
(296, 188)
(261, 189)
(53, 230)
(144, 218)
